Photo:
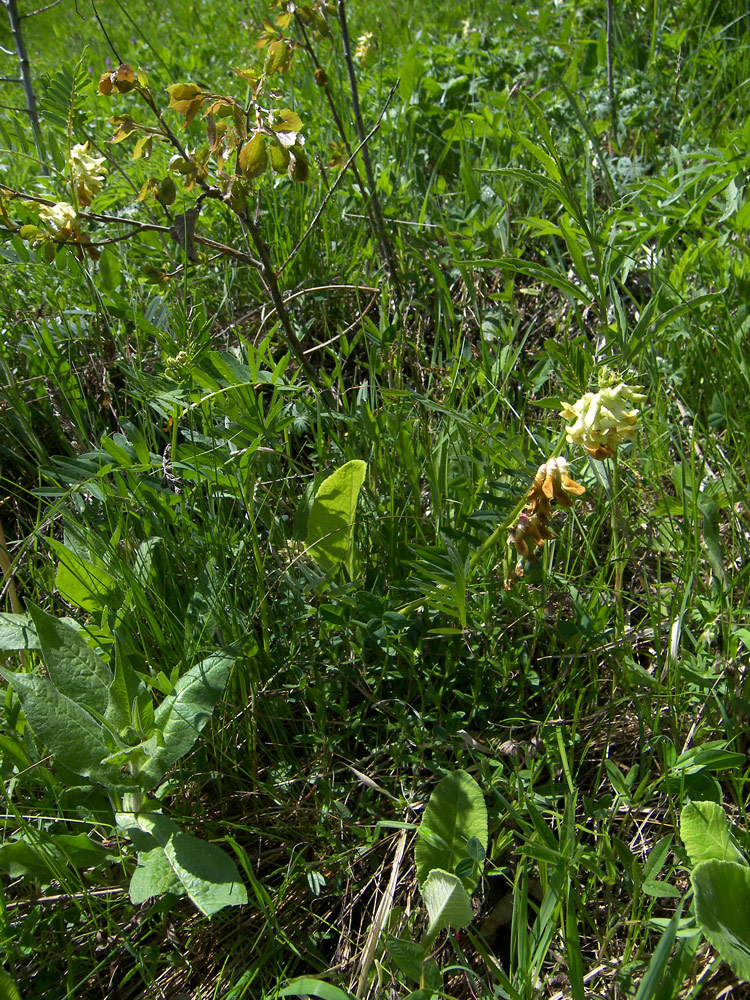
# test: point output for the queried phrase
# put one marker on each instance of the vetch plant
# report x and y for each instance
(601, 422)
(552, 484)
(86, 172)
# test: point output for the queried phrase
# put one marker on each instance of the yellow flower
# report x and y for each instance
(365, 47)
(602, 420)
(87, 173)
(59, 217)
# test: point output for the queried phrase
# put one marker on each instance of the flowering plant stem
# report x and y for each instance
(616, 531)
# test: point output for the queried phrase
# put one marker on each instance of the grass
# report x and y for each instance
(161, 448)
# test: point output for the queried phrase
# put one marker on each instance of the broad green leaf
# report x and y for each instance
(408, 957)
(447, 902)
(73, 667)
(330, 525)
(18, 858)
(706, 834)
(153, 877)
(455, 813)
(182, 715)
(722, 909)
(314, 988)
(17, 632)
(81, 582)
(287, 121)
(253, 157)
(80, 851)
(207, 875)
(71, 735)
(45, 855)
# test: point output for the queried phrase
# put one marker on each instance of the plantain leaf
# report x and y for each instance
(722, 891)
(706, 834)
(330, 525)
(454, 815)
(447, 902)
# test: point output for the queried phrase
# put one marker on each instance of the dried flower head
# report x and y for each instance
(602, 420)
(87, 173)
(552, 482)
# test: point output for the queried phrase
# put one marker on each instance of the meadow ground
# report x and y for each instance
(302, 660)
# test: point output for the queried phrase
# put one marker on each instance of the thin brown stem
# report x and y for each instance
(269, 276)
(336, 183)
(390, 260)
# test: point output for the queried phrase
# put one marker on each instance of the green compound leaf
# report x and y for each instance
(182, 715)
(722, 891)
(454, 815)
(706, 834)
(74, 668)
(330, 526)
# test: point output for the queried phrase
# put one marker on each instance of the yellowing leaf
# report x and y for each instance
(143, 147)
(278, 57)
(182, 92)
(151, 186)
(123, 79)
(167, 192)
(279, 158)
(253, 156)
(105, 84)
(125, 126)
(248, 73)
(223, 108)
(287, 121)
(298, 168)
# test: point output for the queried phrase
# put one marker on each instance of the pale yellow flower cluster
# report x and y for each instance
(59, 217)
(87, 173)
(364, 47)
(604, 419)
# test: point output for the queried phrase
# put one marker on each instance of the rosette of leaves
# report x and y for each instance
(100, 725)
(721, 882)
